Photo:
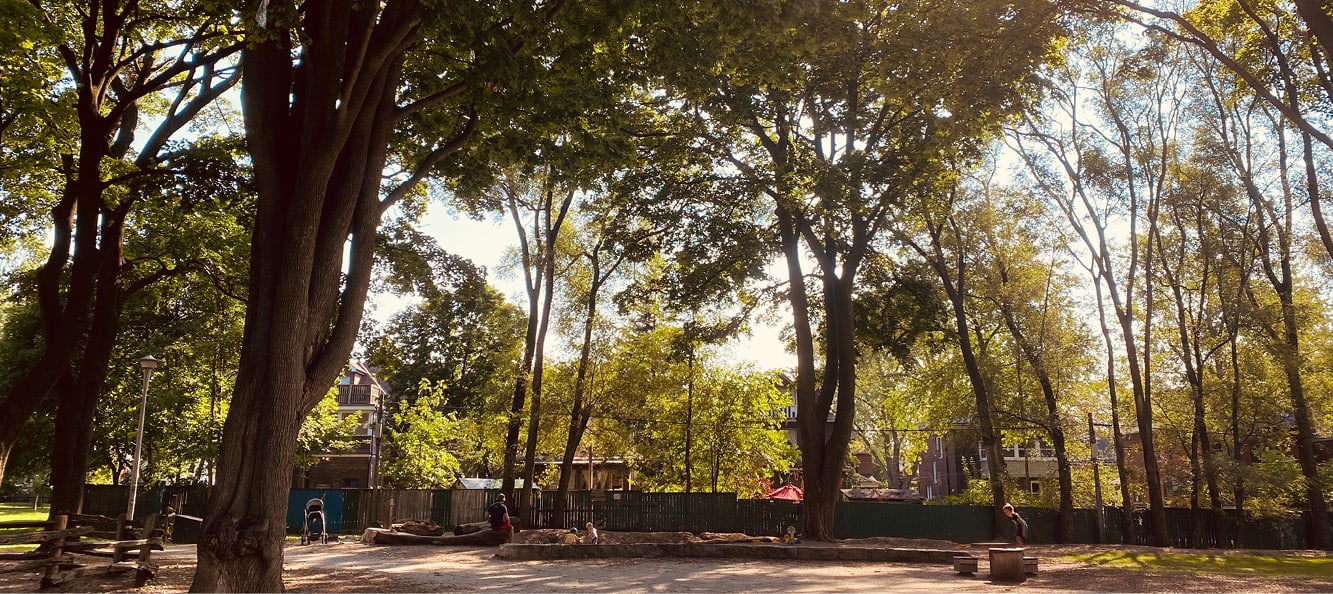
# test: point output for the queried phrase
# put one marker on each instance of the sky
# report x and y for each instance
(486, 242)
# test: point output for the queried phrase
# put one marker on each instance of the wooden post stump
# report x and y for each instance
(1006, 565)
(51, 576)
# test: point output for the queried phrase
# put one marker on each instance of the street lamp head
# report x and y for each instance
(149, 363)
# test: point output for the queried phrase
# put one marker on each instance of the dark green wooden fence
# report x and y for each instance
(766, 517)
(627, 511)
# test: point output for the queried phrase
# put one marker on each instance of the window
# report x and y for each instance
(1034, 487)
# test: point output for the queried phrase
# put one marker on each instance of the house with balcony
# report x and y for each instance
(363, 396)
(955, 457)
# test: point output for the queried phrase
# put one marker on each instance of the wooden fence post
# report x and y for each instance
(59, 522)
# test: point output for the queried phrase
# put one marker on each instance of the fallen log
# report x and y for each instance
(471, 527)
(734, 537)
(420, 528)
(483, 538)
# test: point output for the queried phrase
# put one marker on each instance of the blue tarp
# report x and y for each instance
(333, 508)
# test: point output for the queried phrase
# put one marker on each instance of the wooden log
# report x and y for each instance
(95, 552)
(420, 528)
(147, 569)
(91, 519)
(35, 564)
(42, 536)
(123, 530)
(25, 556)
(471, 527)
(45, 525)
(483, 538)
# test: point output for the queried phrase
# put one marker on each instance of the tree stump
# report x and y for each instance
(1006, 565)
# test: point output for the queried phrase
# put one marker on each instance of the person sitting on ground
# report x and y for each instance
(498, 514)
(571, 537)
(1020, 525)
(590, 536)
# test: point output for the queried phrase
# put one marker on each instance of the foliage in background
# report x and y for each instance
(418, 439)
(325, 432)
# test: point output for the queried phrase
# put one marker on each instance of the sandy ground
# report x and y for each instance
(353, 567)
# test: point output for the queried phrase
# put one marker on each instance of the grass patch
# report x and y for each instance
(18, 512)
(1320, 568)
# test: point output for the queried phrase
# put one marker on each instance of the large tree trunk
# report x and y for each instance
(823, 449)
(818, 505)
(318, 160)
(78, 394)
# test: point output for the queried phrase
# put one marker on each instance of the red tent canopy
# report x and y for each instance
(788, 492)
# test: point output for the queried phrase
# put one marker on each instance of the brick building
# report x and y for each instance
(361, 395)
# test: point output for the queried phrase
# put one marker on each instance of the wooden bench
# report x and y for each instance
(1030, 565)
(965, 564)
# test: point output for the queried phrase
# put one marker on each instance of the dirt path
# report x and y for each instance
(475, 570)
(353, 567)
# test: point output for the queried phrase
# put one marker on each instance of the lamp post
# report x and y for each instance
(147, 363)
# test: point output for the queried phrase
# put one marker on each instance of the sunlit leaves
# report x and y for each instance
(419, 437)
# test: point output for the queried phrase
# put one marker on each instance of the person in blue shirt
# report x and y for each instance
(498, 514)
(1020, 525)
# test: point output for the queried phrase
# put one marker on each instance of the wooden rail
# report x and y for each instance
(59, 542)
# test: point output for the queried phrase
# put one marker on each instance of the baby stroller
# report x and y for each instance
(314, 528)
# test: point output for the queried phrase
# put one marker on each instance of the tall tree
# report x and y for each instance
(462, 334)
(1282, 56)
(547, 206)
(122, 60)
(1189, 260)
(1112, 168)
(840, 112)
(609, 239)
(946, 247)
(1031, 297)
(336, 95)
(1241, 129)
